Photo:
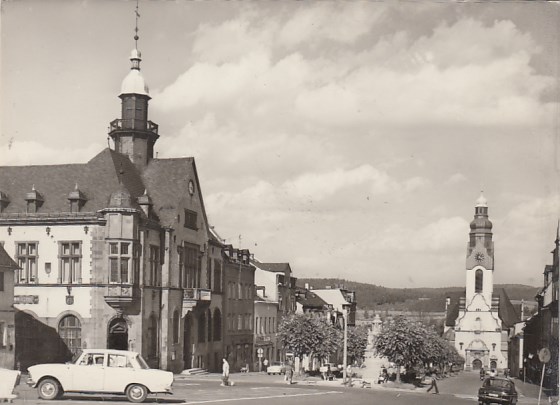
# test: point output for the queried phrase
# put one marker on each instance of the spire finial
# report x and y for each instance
(136, 37)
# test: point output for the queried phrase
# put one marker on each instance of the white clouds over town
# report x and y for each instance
(350, 139)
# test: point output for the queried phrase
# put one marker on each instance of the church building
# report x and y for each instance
(114, 253)
(477, 323)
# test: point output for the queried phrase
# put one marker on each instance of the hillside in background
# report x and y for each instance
(377, 298)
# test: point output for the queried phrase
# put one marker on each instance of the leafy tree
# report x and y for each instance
(408, 343)
(357, 342)
(304, 334)
(402, 342)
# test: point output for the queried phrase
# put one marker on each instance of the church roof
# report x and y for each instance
(506, 310)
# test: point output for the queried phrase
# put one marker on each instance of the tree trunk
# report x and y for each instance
(398, 373)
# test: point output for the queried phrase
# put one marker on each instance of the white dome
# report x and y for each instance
(481, 202)
(134, 83)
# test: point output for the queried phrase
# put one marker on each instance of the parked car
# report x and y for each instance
(276, 367)
(497, 390)
(101, 371)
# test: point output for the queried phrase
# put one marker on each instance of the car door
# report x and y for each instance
(89, 374)
(118, 373)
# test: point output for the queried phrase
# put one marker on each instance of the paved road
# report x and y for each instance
(247, 392)
(255, 388)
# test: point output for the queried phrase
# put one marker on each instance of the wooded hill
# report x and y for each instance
(374, 297)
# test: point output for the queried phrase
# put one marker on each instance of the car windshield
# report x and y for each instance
(498, 383)
(276, 363)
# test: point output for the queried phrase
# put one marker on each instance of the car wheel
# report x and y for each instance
(136, 393)
(49, 389)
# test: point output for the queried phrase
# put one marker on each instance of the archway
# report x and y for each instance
(493, 364)
(477, 364)
(117, 338)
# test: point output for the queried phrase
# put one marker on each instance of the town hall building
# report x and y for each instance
(477, 323)
(114, 253)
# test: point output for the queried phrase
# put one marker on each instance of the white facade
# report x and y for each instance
(479, 334)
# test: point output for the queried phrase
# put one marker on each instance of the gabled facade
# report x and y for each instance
(113, 253)
(478, 324)
(541, 330)
(7, 311)
(239, 295)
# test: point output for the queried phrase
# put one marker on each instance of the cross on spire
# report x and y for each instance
(136, 37)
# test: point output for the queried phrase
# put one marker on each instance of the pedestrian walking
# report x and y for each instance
(265, 364)
(289, 373)
(349, 372)
(225, 373)
(433, 384)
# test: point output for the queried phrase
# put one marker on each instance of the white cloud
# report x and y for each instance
(19, 153)
(332, 21)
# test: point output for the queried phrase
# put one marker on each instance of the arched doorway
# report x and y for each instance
(117, 338)
(477, 364)
(493, 364)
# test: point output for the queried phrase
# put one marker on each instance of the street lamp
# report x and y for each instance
(345, 308)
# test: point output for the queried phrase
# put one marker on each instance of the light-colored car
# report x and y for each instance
(101, 371)
(276, 367)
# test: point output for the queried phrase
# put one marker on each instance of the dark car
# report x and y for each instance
(498, 391)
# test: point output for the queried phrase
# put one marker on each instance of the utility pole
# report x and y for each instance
(345, 350)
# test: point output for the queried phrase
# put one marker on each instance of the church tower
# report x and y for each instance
(480, 254)
(477, 328)
(133, 134)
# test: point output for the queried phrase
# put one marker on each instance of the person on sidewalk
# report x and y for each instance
(289, 373)
(225, 373)
(349, 372)
(433, 384)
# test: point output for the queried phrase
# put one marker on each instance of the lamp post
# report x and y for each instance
(345, 349)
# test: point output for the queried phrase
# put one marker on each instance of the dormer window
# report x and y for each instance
(77, 199)
(34, 200)
(4, 201)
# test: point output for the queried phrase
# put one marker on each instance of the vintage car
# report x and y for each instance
(276, 367)
(497, 390)
(101, 371)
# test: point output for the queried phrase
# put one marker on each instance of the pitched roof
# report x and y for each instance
(96, 179)
(308, 299)
(273, 267)
(6, 262)
(332, 296)
(506, 310)
(166, 181)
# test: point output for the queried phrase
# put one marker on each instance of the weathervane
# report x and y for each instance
(136, 37)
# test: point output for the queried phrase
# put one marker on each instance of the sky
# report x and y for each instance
(350, 139)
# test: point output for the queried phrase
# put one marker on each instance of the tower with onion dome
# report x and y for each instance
(133, 134)
(477, 323)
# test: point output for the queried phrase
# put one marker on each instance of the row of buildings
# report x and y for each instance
(118, 253)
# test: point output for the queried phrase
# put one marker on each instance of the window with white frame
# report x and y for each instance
(27, 261)
(120, 262)
(70, 262)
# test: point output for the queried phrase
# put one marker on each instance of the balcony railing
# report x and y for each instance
(133, 124)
